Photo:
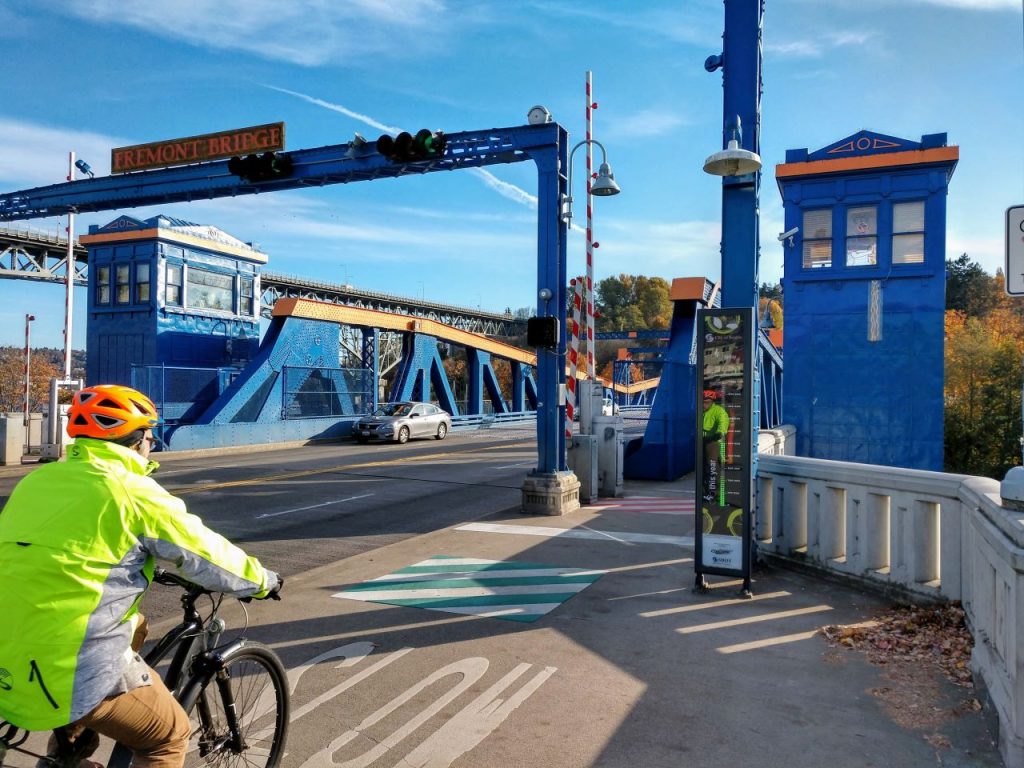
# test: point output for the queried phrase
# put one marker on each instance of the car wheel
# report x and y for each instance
(442, 430)
(403, 435)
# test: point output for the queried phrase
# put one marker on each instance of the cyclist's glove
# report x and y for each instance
(275, 592)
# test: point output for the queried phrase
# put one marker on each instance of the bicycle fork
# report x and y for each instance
(212, 666)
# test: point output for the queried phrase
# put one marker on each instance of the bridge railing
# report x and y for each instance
(918, 534)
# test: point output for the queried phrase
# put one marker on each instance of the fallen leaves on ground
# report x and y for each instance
(930, 635)
(911, 643)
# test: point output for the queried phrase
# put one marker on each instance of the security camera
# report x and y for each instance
(789, 234)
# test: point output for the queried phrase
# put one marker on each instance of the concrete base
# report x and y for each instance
(557, 493)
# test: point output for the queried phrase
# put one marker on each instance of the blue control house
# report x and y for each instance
(865, 287)
(169, 293)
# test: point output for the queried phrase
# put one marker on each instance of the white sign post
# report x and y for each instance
(1015, 250)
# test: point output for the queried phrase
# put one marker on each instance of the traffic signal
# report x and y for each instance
(542, 332)
(407, 148)
(265, 167)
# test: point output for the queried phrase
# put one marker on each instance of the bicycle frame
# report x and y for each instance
(190, 669)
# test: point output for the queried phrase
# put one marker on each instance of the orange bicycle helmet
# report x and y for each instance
(109, 412)
(710, 394)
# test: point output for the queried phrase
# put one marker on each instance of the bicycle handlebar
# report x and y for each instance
(165, 577)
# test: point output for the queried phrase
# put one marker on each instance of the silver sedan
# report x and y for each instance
(401, 421)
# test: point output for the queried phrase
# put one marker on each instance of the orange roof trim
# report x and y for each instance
(889, 160)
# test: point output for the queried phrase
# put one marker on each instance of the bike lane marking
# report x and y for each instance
(503, 589)
(459, 734)
(622, 537)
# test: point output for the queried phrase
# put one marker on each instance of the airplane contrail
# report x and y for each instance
(503, 188)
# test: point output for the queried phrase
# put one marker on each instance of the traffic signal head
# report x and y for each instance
(542, 332)
(407, 148)
(265, 167)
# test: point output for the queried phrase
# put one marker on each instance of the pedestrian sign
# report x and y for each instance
(1015, 250)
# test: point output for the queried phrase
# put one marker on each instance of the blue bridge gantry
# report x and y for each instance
(545, 144)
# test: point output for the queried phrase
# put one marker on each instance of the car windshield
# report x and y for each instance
(393, 409)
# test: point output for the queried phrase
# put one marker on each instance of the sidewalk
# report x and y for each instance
(622, 664)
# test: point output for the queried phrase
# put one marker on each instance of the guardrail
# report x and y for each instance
(923, 535)
(489, 420)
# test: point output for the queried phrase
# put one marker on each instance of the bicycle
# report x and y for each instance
(225, 689)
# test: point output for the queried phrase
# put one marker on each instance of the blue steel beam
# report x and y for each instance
(545, 144)
(646, 335)
(334, 164)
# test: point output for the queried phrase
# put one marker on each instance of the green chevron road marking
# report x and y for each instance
(493, 588)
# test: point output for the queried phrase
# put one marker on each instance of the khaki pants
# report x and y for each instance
(148, 720)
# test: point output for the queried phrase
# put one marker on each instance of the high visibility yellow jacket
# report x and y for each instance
(78, 544)
(716, 422)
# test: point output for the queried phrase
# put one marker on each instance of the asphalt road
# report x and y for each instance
(300, 508)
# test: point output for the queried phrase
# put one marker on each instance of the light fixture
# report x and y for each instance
(603, 186)
(733, 160)
(544, 294)
(84, 168)
(538, 115)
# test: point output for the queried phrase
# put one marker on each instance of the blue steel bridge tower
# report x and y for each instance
(167, 292)
(865, 296)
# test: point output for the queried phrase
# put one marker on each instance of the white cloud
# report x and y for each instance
(646, 123)
(304, 32)
(819, 45)
(33, 155)
(975, 5)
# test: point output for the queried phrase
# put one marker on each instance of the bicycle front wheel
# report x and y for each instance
(253, 682)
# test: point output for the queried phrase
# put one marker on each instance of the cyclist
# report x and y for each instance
(78, 544)
(715, 427)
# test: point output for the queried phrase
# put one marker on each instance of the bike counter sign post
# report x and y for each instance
(725, 364)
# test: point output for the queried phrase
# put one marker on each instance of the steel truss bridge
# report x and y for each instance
(30, 254)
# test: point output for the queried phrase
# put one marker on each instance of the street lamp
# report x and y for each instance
(733, 160)
(28, 367)
(604, 185)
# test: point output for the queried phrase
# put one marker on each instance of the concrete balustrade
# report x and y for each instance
(922, 535)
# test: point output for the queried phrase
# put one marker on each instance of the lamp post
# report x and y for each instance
(28, 369)
(739, 166)
(602, 186)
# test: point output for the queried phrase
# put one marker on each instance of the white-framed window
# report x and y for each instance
(245, 296)
(172, 288)
(123, 283)
(142, 283)
(908, 232)
(210, 290)
(817, 238)
(862, 236)
(103, 285)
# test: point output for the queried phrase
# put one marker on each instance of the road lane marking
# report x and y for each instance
(575, 533)
(312, 506)
(713, 604)
(658, 505)
(767, 642)
(494, 588)
(199, 488)
(753, 619)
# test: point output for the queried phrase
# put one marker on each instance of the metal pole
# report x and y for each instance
(28, 369)
(590, 230)
(70, 279)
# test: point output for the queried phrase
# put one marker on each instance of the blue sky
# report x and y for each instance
(89, 75)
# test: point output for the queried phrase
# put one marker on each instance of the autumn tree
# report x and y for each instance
(983, 392)
(12, 380)
(632, 302)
